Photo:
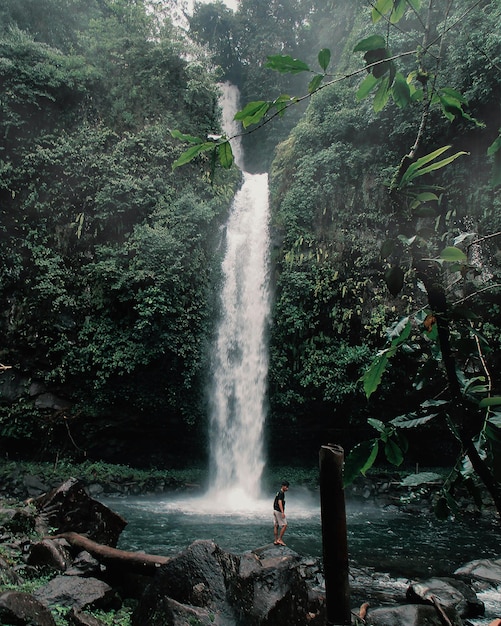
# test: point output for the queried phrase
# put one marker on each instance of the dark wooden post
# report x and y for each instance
(334, 535)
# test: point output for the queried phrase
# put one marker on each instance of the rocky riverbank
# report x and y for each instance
(59, 565)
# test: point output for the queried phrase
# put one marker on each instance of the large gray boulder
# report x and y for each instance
(78, 593)
(22, 608)
(204, 583)
(70, 508)
(410, 615)
(449, 592)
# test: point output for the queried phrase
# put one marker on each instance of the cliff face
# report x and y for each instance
(346, 246)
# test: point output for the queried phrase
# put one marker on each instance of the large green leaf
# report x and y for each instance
(360, 460)
(183, 137)
(374, 42)
(493, 401)
(381, 8)
(424, 165)
(400, 91)
(253, 112)
(453, 255)
(393, 453)
(382, 95)
(225, 154)
(324, 58)
(192, 152)
(366, 86)
(286, 64)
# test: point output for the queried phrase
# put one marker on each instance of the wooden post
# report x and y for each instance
(334, 535)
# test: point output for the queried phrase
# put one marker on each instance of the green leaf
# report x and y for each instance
(421, 478)
(366, 86)
(370, 43)
(398, 11)
(453, 255)
(189, 138)
(253, 112)
(400, 91)
(372, 377)
(285, 64)
(225, 154)
(403, 421)
(192, 152)
(494, 147)
(393, 453)
(377, 424)
(493, 401)
(382, 95)
(324, 58)
(418, 167)
(381, 8)
(360, 460)
(315, 83)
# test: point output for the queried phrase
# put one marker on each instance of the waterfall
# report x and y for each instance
(240, 361)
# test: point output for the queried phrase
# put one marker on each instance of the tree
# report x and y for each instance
(421, 243)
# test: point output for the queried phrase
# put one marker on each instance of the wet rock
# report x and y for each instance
(264, 588)
(78, 593)
(54, 553)
(22, 608)
(488, 570)
(34, 485)
(80, 618)
(84, 565)
(70, 508)
(450, 593)
(410, 615)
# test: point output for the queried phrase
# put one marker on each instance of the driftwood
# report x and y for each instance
(441, 613)
(133, 562)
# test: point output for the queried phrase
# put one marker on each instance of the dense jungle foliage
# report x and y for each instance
(109, 269)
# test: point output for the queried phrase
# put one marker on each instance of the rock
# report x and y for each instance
(80, 618)
(488, 570)
(84, 565)
(450, 593)
(205, 583)
(54, 553)
(69, 508)
(22, 608)
(34, 486)
(78, 593)
(7, 575)
(410, 615)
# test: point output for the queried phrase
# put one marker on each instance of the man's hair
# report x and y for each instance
(285, 483)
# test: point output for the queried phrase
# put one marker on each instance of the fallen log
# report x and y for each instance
(133, 562)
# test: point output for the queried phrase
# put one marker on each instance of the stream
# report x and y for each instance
(404, 545)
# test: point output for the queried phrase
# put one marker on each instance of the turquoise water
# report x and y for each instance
(401, 544)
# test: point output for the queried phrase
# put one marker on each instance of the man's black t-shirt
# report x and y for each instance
(280, 496)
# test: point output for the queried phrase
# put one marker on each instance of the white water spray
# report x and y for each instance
(241, 359)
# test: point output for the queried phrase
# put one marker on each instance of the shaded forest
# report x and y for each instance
(110, 260)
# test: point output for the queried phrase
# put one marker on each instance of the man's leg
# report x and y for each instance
(282, 531)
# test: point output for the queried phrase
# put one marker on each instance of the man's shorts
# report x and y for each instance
(278, 520)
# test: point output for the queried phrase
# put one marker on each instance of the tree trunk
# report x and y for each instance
(132, 562)
(467, 419)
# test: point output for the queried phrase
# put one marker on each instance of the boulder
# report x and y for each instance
(488, 570)
(205, 583)
(78, 593)
(410, 615)
(54, 553)
(449, 592)
(22, 608)
(80, 618)
(70, 508)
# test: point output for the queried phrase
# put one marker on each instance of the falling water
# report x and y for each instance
(240, 353)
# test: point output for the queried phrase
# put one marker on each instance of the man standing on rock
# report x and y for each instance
(279, 519)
